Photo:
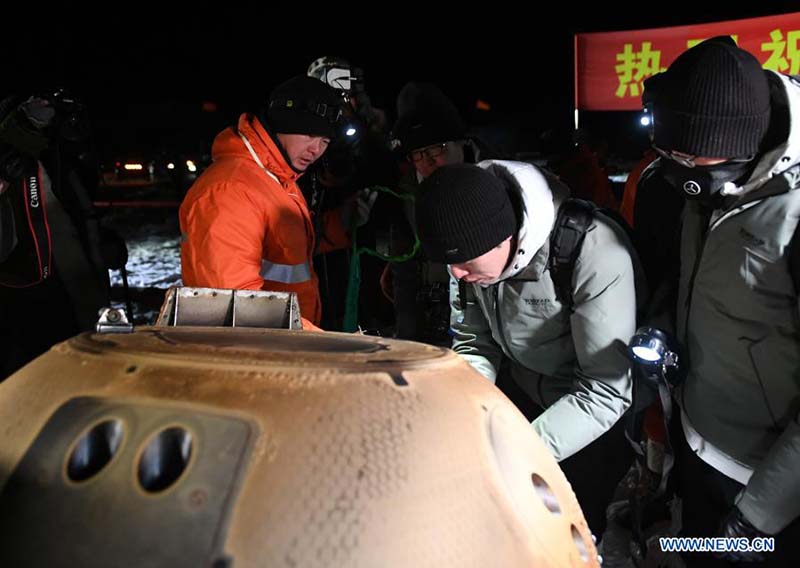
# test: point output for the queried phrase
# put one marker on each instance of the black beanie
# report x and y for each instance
(713, 101)
(425, 117)
(462, 212)
(303, 105)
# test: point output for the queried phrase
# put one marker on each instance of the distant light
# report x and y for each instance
(645, 120)
(170, 166)
(351, 131)
(190, 166)
(134, 167)
(482, 105)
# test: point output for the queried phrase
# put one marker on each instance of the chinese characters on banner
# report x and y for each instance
(610, 68)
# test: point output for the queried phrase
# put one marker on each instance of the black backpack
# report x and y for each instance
(574, 218)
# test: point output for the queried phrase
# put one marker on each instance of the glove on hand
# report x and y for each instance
(736, 525)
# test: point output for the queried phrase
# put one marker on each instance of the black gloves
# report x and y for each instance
(736, 525)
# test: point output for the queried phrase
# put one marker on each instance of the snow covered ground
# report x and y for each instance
(152, 236)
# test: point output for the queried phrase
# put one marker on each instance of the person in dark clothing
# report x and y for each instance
(53, 277)
(429, 133)
(357, 159)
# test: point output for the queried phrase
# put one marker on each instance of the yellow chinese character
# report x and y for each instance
(634, 67)
(781, 50)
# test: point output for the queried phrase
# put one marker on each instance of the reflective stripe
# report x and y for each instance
(286, 273)
(713, 456)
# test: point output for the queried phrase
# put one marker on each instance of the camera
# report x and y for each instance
(63, 102)
(67, 115)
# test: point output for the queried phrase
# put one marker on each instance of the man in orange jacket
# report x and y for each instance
(244, 222)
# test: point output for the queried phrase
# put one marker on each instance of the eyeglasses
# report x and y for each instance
(688, 161)
(685, 160)
(430, 152)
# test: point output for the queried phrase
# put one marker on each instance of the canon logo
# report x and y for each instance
(33, 191)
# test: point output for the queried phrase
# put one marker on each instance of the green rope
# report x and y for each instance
(350, 323)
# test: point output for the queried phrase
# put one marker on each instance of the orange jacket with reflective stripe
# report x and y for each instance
(246, 228)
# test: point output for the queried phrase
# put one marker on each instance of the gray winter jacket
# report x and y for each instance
(573, 364)
(738, 318)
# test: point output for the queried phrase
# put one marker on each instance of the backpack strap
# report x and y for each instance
(573, 220)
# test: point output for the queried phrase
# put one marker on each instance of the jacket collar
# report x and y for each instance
(230, 143)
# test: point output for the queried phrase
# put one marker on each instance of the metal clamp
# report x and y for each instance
(113, 320)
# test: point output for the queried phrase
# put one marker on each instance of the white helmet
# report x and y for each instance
(334, 71)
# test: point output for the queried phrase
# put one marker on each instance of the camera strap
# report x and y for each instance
(34, 254)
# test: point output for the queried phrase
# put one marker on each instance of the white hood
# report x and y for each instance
(538, 210)
(780, 159)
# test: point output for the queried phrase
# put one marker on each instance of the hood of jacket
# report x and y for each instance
(785, 100)
(537, 195)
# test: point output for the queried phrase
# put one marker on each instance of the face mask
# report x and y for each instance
(703, 183)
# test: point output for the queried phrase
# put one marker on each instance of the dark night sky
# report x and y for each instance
(144, 73)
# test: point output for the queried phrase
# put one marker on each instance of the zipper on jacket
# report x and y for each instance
(695, 270)
(506, 349)
(688, 304)
(542, 402)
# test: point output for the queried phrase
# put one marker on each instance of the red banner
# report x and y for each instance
(611, 67)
